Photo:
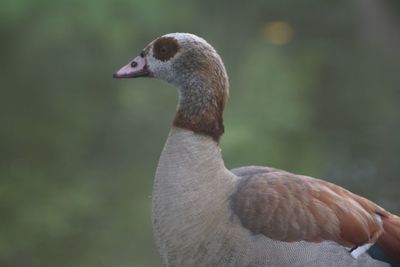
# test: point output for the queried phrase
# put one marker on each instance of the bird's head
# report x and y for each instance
(176, 58)
(193, 66)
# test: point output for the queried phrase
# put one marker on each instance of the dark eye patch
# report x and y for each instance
(165, 48)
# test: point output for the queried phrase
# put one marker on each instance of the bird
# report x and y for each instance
(204, 214)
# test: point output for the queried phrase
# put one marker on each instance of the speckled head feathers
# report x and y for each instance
(193, 66)
(175, 56)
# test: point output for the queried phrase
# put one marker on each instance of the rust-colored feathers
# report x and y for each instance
(289, 207)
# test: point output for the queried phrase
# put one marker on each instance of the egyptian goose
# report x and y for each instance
(207, 215)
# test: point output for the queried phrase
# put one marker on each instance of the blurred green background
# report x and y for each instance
(315, 89)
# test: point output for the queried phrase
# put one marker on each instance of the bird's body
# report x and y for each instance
(207, 215)
(195, 223)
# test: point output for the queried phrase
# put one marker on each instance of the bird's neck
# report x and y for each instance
(191, 189)
(189, 157)
(190, 178)
(201, 105)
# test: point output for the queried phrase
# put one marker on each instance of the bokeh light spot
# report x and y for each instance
(278, 32)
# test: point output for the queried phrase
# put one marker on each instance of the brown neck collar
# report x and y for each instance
(201, 105)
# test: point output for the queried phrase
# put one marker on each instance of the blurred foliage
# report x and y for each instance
(314, 90)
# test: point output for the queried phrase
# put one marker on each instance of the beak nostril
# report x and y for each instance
(134, 64)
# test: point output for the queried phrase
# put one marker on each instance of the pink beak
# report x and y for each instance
(135, 68)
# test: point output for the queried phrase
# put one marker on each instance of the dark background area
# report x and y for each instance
(315, 89)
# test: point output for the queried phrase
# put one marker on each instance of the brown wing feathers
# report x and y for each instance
(290, 207)
(358, 221)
